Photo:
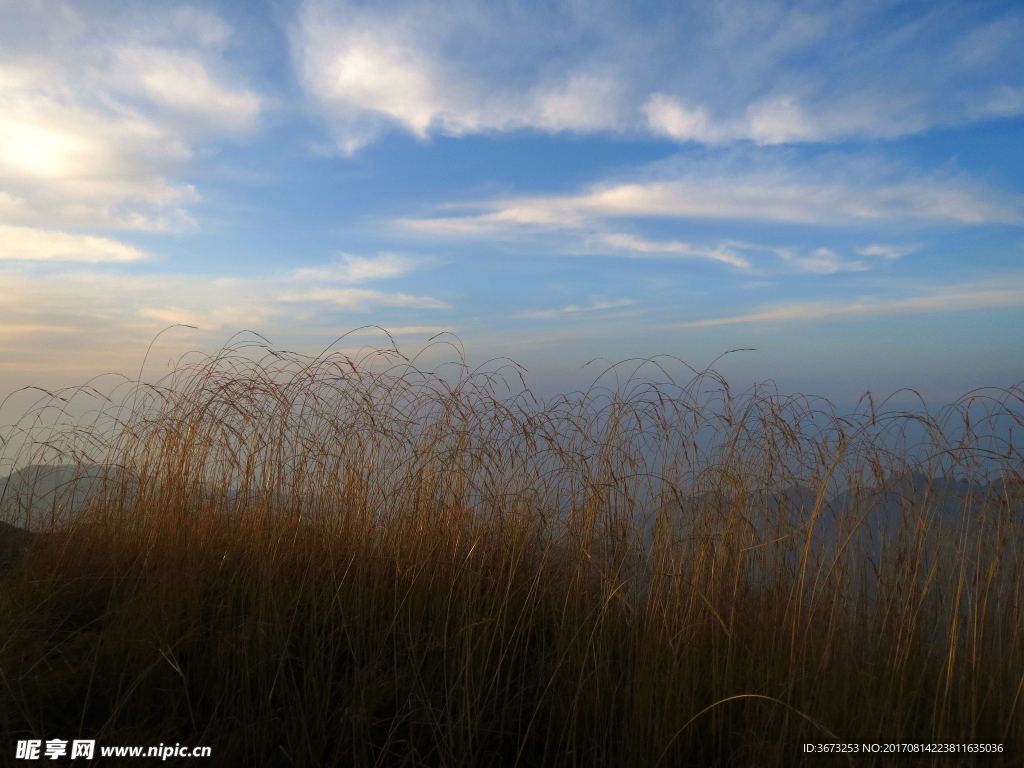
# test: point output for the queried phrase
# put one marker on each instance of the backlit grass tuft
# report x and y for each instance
(359, 562)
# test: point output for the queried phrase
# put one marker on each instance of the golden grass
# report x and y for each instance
(340, 561)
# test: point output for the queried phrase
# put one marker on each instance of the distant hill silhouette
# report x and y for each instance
(35, 495)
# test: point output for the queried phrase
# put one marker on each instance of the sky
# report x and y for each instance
(837, 187)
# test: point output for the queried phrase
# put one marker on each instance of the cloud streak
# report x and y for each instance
(360, 269)
(36, 296)
(639, 247)
(746, 187)
(869, 307)
(28, 244)
(891, 252)
(573, 309)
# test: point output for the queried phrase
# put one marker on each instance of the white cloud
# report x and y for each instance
(37, 294)
(575, 308)
(360, 269)
(433, 69)
(982, 46)
(360, 299)
(12, 207)
(362, 73)
(889, 251)
(96, 117)
(711, 73)
(67, 163)
(948, 300)
(25, 243)
(182, 87)
(507, 216)
(761, 187)
(412, 330)
(18, 329)
(371, 67)
(774, 120)
(741, 255)
(821, 261)
(667, 115)
(639, 246)
(1001, 101)
(780, 120)
(579, 102)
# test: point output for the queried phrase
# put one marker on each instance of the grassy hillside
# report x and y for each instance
(357, 562)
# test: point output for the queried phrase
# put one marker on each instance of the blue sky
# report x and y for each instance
(836, 184)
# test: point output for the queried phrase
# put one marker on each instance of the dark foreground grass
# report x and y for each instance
(355, 562)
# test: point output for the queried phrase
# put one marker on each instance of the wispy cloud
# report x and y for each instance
(573, 309)
(743, 255)
(821, 261)
(777, 119)
(404, 330)
(181, 87)
(39, 297)
(695, 72)
(8, 330)
(360, 269)
(867, 307)
(755, 186)
(28, 244)
(633, 245)
(429, 68)
(889, 251)
(96, 119)
(359, 299)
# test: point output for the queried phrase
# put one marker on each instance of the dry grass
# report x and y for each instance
(341, 561)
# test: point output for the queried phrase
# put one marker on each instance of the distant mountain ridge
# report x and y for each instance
(41, 491)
